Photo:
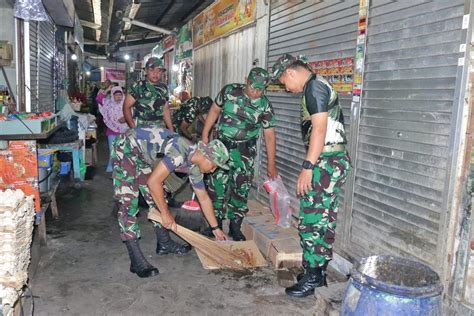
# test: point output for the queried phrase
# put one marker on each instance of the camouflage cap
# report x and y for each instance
(204, 105)
(153, 62)
(258, 78)
(216, 152)
(281, 64)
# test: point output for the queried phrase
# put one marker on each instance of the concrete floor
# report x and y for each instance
(84, 270)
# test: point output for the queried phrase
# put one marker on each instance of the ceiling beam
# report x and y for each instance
(90, 25)
(147, 26)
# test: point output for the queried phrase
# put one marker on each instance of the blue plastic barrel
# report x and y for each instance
(386, 286)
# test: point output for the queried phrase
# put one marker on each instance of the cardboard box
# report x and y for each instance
(265, 234)
(285, 253)
(247, 231)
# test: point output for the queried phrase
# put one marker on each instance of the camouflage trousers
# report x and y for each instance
(318, 208)
(130, 175)
(234, 184)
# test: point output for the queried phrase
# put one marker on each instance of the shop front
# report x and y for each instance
(400, 70)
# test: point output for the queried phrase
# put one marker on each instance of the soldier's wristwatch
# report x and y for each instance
(307, 165)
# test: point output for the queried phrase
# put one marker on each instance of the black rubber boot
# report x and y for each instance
(138, 263)
(313, 278)
(324, 267)
(234, 229)
(165, 245)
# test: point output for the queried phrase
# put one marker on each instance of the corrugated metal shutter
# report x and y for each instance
(33, 65)
(405, 128)
(215, 64)
(46, 88)
(321, 31)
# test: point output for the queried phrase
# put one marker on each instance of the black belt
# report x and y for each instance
(232, 144)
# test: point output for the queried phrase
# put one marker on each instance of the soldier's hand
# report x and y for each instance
(168, 222)
(304, 185)
(220, 235)
(272, 172)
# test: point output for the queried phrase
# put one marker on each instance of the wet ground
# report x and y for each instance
(84, 270)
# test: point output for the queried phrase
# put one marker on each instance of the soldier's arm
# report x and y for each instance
(208, 210)
(167, 117)
(155, 184)
(270, 143)
(127, 110)
(319, 122)
(211, 119)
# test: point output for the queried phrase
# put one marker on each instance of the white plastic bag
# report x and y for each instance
(279, 201)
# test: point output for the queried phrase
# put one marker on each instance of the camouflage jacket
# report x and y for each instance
(242, 118)
(150, 101)
(188, 112)
(176, 154)
(318, 97)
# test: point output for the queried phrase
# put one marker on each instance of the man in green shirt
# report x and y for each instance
(149, 99)
(243, 110)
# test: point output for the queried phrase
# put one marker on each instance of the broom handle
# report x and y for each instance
(183, 232)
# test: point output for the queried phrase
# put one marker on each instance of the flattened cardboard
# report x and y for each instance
(248, 246)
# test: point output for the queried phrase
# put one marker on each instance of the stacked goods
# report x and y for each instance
(16, 229)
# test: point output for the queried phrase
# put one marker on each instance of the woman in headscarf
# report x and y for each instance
(111, 110)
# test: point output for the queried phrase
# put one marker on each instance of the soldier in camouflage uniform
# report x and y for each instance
(324, 170)
(134, 156)
(190, 111)
(149, 99)
(243, 110)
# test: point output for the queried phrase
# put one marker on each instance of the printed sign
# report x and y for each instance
(221, 18)
(338, 72)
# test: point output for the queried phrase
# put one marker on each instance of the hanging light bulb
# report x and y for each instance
(88, 73)
(101, 67)
(126, 57)
(74, 57)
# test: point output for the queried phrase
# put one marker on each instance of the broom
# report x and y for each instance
(191, 205)
(211, 249)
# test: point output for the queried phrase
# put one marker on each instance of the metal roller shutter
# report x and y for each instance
(403, 161)
(321, 31)
(33, 87)
(46, 44)
(215, 63)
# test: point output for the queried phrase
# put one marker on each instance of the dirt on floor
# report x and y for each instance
(84, 270)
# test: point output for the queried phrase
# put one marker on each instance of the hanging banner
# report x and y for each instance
(184, 44)
(221, 18)
(114, 74)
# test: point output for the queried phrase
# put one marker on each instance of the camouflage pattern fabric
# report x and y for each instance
(153, 62)
(238, 128)
(134, 155)
(235, 182)
(242, 118)
(258, 78)
(190, 109)
(318, 208)
(150, 101)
